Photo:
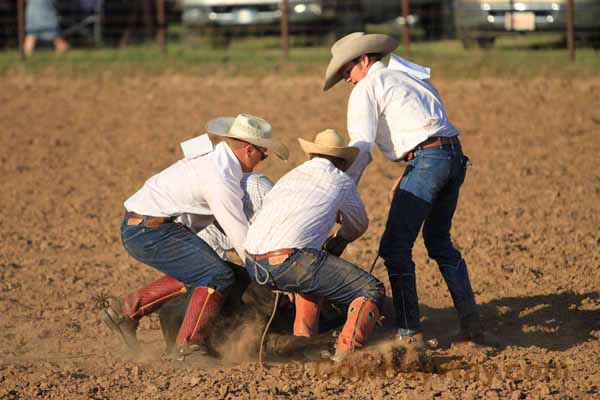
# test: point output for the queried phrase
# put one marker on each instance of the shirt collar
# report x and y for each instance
(376, 67)
(226, 160)
(322, 162)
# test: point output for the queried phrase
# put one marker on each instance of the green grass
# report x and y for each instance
(527, 57)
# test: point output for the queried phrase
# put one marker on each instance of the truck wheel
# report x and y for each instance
(467, 40)
(219, 39)
(486, 42)
(483, 42)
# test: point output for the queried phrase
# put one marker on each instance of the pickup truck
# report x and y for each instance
(311, 16)
(261, 16)
(435, 17)
(480, 22)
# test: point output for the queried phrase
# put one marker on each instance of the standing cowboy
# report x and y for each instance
(404, 115)
(205, 183)
(284, 242)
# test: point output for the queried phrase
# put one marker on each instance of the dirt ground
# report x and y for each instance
(528, 225)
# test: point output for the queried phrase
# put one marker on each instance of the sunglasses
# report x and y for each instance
(262, 151)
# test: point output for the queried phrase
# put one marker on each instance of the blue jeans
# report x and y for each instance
(427, 197)
(176, 251)
(317, 273)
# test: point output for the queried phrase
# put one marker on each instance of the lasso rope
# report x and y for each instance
(264, 335)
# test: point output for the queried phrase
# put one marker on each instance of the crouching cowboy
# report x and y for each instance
(284, 242)
(205, 183)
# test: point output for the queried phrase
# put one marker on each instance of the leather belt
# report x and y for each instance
(275, 253)
(146, 220)
(432, 142)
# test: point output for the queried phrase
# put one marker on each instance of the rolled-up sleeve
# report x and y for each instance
(362, 119)
(354, 215)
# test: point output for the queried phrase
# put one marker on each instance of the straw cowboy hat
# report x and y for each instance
(330, 143)
(353, 46)
(247, 128)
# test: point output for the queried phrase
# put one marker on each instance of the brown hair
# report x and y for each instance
(338, 162)
(373, 57)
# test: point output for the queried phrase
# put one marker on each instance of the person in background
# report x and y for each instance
(41, 22)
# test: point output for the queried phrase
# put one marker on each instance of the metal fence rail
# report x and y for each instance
(119, 23)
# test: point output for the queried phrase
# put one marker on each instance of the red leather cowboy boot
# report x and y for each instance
(123, 317)
(306, 322)
(363, 315)
(204, 305)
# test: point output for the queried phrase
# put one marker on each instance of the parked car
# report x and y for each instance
(433, 16)
(312, 16)
(480, 22)
(238, 16)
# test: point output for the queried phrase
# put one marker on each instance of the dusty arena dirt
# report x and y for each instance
(528, 225)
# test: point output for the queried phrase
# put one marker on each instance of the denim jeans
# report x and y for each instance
(176, 251)
(317, 273)
(426, 197)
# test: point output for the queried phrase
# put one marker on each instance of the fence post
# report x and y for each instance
(285, 39)
(160, 9)
(511, 20)
(570, 30)
(21, 27)
(405, 31)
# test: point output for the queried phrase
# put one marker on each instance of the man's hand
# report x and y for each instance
(391, 194)
(335, 245)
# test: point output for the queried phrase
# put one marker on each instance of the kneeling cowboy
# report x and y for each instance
(284, 242)
(205, 183)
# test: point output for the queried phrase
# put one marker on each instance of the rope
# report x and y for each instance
(374, 262)
(257, 266)
(264, 335)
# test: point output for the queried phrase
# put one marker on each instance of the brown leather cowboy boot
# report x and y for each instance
(363, 315)
(123, 317)
(306, 322)
(204, 305)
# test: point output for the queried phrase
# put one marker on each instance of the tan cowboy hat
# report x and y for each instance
(330, 143)
(352, 46)
(247, 128)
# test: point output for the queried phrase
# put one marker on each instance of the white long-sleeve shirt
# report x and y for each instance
(208, 186)
(395, 110)
(301, 209)
(255, 187)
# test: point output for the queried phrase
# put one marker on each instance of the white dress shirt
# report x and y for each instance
(301, 209)
(395, 110)
(255, 187)
(208, 186)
